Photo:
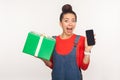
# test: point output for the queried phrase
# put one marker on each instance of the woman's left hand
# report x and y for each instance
(87, 48)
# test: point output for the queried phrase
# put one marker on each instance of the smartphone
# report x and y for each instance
(90, 37)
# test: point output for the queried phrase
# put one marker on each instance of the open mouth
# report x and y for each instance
(69, 30)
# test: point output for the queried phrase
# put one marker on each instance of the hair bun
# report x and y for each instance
(66, 8)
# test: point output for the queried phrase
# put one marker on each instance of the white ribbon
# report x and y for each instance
(39, 45)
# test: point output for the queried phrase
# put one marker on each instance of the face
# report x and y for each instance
(68, 23)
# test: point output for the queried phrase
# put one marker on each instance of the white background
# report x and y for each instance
(18, 17)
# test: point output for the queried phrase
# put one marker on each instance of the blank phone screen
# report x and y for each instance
(90, 37)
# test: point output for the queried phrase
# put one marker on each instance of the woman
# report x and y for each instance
(71, 52)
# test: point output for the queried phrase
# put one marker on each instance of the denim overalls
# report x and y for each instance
(65, 66)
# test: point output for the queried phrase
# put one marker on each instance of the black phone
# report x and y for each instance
(90, 37)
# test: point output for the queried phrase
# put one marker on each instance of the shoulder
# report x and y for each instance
(81, 37)
(81, 40)
(55, 36)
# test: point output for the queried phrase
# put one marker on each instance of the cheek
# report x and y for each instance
(74, 25)
(64, 25)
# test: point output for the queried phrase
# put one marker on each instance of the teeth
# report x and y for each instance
(69, 28)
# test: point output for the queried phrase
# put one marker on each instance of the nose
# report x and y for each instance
(70, 23)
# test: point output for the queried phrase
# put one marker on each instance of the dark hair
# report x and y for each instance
(67, 8)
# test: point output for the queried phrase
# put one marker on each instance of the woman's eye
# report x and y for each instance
(73, 20)
(66, 20)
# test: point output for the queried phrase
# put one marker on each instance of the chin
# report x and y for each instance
(69, 34)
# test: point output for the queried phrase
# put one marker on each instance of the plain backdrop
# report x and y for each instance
(18, 17)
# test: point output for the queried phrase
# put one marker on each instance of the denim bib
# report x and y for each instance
(65, 66)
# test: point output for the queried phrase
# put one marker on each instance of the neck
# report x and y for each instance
(65, 36)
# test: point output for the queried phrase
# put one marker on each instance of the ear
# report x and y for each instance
(60, 23)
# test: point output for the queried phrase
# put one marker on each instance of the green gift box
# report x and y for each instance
(39, 45)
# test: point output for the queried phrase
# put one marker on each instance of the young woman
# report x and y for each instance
(71, 52)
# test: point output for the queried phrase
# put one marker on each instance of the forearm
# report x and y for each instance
(86, 59)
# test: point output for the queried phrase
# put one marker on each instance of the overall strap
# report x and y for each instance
(76, 40)
(54, 37)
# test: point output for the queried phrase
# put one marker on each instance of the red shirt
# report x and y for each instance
(64, 46)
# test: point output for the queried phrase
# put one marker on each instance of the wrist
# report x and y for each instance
(87, 53)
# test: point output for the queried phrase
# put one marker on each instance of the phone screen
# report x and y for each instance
(90, 37)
